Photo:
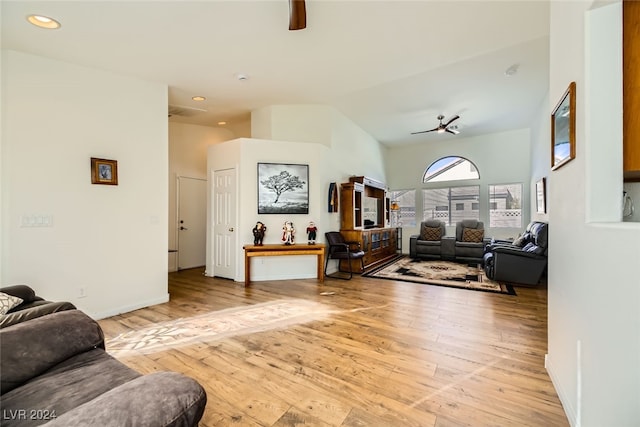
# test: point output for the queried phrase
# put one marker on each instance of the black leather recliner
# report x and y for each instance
(524, 261)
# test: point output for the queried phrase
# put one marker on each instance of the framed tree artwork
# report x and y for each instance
(283, 188)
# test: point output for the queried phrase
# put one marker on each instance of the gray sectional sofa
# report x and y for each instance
(466, 246)
(56, 372)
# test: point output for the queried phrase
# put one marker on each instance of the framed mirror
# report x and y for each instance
(563, 129)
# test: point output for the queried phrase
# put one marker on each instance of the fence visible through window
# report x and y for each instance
(452, 204)
(505, 201)
(405, 214)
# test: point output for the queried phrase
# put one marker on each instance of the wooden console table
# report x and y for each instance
(251, 251)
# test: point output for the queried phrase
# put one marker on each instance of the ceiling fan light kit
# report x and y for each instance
(443, 127)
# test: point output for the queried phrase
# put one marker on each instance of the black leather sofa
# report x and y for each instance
(56, 372)
(523, 261)
(32, 306)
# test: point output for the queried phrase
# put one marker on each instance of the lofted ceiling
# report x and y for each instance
(390, 66)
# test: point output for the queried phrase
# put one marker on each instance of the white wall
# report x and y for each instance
(109, 240)
(501, 158)
(594, 296)
(345, 150)
(304, 123)
(188, 158)
(540, 157)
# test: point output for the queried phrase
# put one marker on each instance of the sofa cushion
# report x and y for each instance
(160, 399)
(539, 234)
(7, 302)
(32, 310)
(430, 233)
(52, 339)
(76, 381)
(472, 235)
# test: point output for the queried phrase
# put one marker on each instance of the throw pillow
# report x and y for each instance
(7, 302)
(430, 233)
(522, 240)
(472, 235)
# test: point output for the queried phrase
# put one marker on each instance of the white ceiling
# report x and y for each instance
(390, 66)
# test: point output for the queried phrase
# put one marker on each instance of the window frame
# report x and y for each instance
(435, 174)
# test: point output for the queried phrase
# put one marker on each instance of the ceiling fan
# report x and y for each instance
(297, 15)
(443, 127)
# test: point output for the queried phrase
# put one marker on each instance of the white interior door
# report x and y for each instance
(192, 222)
(224, 223)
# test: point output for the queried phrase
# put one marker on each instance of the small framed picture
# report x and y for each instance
(541, 195)
(104, 171)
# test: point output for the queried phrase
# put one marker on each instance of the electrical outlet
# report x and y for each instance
(82, 293)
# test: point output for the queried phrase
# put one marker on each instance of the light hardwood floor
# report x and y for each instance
(373, 353)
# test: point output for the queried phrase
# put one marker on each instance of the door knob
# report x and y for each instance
(231, 229)
(183, 228)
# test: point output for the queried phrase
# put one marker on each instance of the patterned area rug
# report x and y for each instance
(217, 325)
(440, 273)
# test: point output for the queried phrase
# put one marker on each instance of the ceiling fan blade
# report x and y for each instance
(297, 15)
(424, 131)
(453, 131)
(456, 117)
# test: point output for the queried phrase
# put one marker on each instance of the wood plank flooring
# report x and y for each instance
(378, 353)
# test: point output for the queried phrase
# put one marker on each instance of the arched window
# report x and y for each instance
(450, 168)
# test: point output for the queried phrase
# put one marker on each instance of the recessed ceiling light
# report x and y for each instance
(242, 77)
(222, 123)
(511, 70)
(198, 98)
(43, 22)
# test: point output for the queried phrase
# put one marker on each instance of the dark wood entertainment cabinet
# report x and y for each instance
(364, 211)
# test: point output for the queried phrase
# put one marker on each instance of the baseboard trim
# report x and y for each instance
(562, 395)
(130, 307)
(255, 278)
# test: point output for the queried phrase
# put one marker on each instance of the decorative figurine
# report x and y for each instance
(288, 232)
(258, 233)
(311, 233)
